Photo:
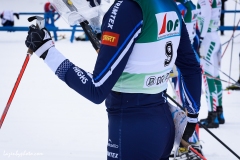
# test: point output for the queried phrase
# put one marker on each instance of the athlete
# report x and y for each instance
(7, 17)
(210, 50)
(131, 74)
(49, 15)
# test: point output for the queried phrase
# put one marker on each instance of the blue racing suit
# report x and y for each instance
(131, 73)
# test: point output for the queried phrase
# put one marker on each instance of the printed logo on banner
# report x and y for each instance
(168, 25)
(110, 39)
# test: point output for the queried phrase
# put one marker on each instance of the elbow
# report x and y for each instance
(98, 101)
(99, 95)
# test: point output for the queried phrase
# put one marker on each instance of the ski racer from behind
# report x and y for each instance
(131, 74)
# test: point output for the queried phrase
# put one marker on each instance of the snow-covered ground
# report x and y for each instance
(49, 121)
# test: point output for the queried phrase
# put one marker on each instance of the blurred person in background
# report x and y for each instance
(7, 17)
(50, 13)
(210, 51)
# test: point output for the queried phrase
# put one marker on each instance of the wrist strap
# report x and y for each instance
(192, 118)
(44, 48)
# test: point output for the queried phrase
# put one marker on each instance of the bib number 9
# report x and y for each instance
(168, 53)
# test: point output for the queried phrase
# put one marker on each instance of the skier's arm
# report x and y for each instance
(58, 16)
(190, 70)
(16, 14)
(117, 44)
(204, 16)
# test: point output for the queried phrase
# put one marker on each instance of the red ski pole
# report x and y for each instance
(15, 87)
(197, 153)
(40, 24)
(187, 145)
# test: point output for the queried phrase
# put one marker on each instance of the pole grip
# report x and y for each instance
(29, 51)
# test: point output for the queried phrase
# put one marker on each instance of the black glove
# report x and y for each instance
(39, 41)
(188, 132)
(190, 127)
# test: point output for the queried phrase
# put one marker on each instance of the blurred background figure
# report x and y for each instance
(222, 16)
(49, 15)
(210, 51)
(7, 17)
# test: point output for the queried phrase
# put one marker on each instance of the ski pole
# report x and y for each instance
(230, 39)
(85, 26)
(234, 29)
(230, 68)
(15, 87)
(220, 70)
(235, 84)
(40, 24)
(206, 129)
(236, 2)
(174, 91)
(187, 145)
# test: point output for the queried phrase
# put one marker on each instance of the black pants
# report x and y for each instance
(8, 23)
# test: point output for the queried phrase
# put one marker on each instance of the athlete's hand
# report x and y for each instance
(39, 41)
(191, 124)
(188, 132)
